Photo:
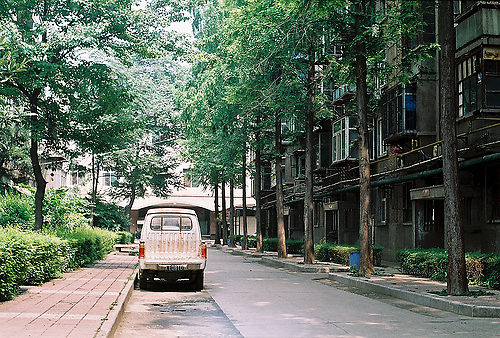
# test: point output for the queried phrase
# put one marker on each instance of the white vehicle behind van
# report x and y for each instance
(171, 248)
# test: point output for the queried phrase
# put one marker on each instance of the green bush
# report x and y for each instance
(29, 258)
(482, 269)
(491, 277)
(430, 263)
(293, 246)
(339, 253)
(90, 244)
(125, 237)
(62, 208)
(110, 217)
(16, 211)
(252, 242)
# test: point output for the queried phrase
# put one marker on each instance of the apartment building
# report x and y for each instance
(406, 161)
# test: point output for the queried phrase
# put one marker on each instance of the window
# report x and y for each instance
(381, 148)
(460, 6)
(400, 110)
(344, 139)
(189, 182)
(492, 76)
(323, 150)
(266, 177)
(427, 32)
(109, 179)
(171, 223)
(469, 85)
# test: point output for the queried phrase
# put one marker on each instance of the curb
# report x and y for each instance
(421, 299)
(110, 324)
(297, 267)
(292, 266)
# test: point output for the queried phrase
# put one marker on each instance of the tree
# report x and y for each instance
(457, 275)
(9, 62)
(59, 39)
(366, 34)
(365, 226)
(280, 222)
(148, 162)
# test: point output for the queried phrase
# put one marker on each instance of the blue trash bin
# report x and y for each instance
(354, 259)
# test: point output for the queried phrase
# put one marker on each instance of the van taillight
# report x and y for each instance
(141, 250)
(204, 250)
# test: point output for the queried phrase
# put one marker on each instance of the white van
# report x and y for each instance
(171, 248)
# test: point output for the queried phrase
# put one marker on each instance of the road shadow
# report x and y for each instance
(160, 285)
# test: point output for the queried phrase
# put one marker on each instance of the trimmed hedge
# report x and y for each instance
(32, 258)
(252, 241)
(336, 253)
(90, 244)
(339, 253)
(271, 244)
(28, 258)
(293, 246)
(482, 269)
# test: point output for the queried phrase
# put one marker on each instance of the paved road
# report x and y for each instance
(251, 299)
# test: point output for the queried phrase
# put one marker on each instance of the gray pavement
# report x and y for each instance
(390, 281)
(88, 302)
(270, 301)
(83, 303)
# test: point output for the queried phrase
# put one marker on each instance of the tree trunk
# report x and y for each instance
(244, 201)
(257, 182)
(457, 276)
(231, 213)
(35, 163)
(40, 184)
(309, 181)
(365, 227)
(224, 218)
(280, 218)
(95, 182)
(128, 207)
(217, 222)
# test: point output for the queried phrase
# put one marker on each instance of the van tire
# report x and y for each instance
(143, 282)
(198, 281)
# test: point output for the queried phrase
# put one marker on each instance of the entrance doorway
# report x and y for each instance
(430, 224)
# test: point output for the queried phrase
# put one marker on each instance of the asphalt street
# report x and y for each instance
(243, 297)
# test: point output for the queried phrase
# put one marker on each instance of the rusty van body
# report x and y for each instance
(171, 247)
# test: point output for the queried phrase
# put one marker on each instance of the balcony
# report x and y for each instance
(344, 94)
(400, 113)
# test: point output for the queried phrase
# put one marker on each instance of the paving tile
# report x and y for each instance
(72, 306)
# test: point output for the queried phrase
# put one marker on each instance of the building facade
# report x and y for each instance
(406, 161)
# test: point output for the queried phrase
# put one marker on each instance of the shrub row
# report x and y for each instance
(339, 253)
(482, 269)
(61, 208)
(336, 253)
(32, 258)
(271, 244)
(292, 246)
(125, 237)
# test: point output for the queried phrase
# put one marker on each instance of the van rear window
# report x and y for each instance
(171, 223)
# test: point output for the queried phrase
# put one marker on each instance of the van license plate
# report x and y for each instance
(172, 267)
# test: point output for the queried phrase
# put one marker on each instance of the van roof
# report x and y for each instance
(170, 211)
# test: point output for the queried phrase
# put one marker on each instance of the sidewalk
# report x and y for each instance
(84, 303)
(390, 281)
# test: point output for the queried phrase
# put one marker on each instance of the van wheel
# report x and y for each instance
(198, 281)
(143, 282)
